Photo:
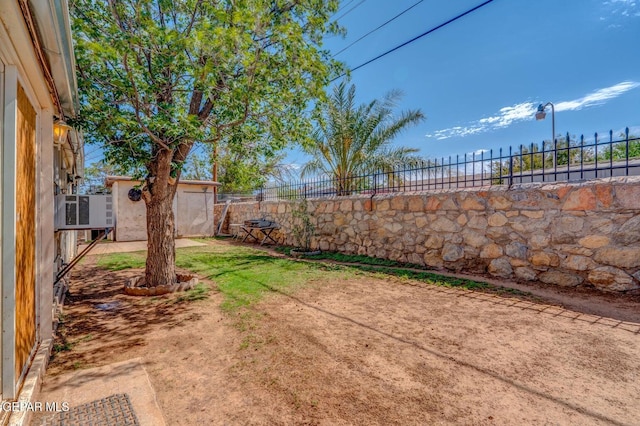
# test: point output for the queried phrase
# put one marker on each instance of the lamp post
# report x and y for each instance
(540, 115)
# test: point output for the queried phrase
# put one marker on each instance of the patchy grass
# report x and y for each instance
(199, 292)
(347, 258)
(445, 281)
(63, 346)
(357, 258)
(205, 240)
(86, 338)
(403, 270)
(120, 261)
(428, 277)
(245, 275)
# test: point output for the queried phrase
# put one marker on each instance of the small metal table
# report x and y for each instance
(265, 226)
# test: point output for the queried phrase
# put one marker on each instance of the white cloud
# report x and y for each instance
(598, 97)
(505, 117)
(514, 113)
(626, 8)
(291, 166)
(526, 111)
(458, 131)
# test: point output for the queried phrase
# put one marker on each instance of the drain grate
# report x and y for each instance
(114, 410)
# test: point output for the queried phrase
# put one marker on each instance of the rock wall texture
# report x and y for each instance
(563, 234)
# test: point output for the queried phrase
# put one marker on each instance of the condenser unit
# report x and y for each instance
(84, 211)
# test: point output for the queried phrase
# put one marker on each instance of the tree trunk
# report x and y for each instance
(161, 248)
(158, 194)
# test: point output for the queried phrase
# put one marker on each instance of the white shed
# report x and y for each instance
(192, 208)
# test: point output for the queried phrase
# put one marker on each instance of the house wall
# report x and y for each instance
(192, 208)
(561, 234)
(26, 245)
(24, 304)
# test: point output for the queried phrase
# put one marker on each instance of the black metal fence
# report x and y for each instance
(566, 159)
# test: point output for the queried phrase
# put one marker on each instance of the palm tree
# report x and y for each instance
(351, 140)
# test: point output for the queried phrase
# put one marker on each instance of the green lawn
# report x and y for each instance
(244, 275)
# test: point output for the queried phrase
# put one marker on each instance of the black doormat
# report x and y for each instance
(114, 410)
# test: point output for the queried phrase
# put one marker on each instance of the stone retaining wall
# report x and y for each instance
(563, 234)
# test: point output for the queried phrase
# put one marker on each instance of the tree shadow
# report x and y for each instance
(463, 363)
(104, 320)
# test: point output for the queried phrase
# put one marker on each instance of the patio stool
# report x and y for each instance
(234, 229)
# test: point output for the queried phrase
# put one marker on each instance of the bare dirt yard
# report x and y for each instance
(367, 350)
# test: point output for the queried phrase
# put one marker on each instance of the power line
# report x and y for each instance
(416, 38)
(373, 31)
(350, 10)
(86, 154)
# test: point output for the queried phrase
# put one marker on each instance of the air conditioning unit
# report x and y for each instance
(84, 211)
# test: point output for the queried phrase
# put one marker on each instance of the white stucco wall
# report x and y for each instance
(192, 207)
(130, 216)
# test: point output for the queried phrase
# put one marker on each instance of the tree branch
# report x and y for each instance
(193, 18)
(182, 151)
(136, 108)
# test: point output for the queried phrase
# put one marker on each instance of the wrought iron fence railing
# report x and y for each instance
(236, 197)
(566, 159)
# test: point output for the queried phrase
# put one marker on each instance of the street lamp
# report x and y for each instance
(540, 115)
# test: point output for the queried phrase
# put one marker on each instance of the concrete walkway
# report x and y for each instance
(129, 246)
(103, 383)
(86, 386)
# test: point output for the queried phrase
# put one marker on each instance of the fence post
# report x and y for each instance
(500, 167)
(626, 151)
(555, 159)
(510, 167)
(595, 144)
(610, 153)
(568, 157)
(581, 157)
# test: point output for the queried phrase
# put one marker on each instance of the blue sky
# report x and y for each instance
(479, 79)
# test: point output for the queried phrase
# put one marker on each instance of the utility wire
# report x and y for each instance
(350, 10)
(374, 30)
(416, 38)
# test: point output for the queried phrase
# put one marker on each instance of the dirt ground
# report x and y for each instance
(366, 351)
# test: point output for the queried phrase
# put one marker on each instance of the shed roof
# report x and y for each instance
(111, 179)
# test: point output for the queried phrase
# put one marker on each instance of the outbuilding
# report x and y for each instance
(192, 209)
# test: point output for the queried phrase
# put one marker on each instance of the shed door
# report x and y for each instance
(25, 232)
(194, 213)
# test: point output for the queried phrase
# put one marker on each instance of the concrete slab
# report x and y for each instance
(83, 386)
(30, 387)
(129, 246)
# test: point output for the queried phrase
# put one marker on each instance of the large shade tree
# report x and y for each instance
(351, 140)
(157, 76)
(240, 169)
